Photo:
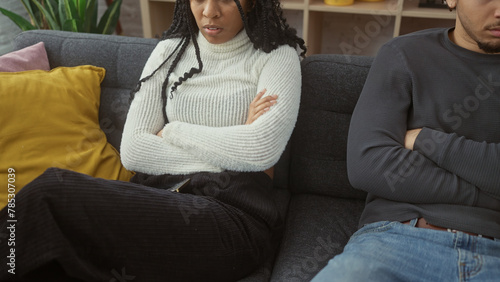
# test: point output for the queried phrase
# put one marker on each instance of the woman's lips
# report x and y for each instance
(212, 30)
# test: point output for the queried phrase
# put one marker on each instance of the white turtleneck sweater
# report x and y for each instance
(206, 130)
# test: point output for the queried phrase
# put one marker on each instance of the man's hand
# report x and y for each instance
(260, 105)
(411, 136)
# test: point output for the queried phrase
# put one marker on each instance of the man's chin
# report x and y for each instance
(489, 48)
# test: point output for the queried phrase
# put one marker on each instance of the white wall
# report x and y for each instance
(130, 18)
(8, 30)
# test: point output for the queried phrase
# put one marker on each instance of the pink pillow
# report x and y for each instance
(33, 57)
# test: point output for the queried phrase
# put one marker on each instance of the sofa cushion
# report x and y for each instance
(317, 229)
(331, 85)
(122, 57)
(50, 118)
(33, 57)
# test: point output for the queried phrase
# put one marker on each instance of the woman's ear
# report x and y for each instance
(452, 4)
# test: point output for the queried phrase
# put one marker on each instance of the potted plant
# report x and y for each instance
(67, 15)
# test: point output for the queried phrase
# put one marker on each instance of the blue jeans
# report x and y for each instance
(392, 251)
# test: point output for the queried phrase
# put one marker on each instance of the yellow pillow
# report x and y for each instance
(51, 119)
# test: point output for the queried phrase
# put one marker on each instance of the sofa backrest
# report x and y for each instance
(122, 57)
(314, 161)
(331, 84)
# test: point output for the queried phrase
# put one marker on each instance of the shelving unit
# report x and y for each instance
(157, 15)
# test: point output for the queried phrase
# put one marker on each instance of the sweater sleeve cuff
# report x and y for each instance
(431, 144)
(169, 132)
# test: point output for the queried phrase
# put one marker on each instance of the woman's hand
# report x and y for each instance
(411, 136)
(260, 105)
(257, 108)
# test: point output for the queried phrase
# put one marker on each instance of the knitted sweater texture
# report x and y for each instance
(206, 114)
(452, 176)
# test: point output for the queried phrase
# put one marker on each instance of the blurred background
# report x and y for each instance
(328, 26)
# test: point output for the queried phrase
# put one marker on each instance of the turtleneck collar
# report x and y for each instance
(237, 44)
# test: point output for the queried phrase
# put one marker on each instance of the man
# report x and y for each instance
(424, 143)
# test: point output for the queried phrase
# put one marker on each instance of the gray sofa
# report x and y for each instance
(321, 207)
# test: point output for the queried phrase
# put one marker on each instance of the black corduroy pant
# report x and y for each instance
(72, 227)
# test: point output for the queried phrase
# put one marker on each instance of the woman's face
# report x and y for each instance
(218, 20)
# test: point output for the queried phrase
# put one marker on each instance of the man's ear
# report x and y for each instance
(452, 4)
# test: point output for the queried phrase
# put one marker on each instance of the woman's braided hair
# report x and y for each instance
(264, 23)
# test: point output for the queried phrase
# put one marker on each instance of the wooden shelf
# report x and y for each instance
(157, 15)
(368, 8)
(294, 5)
(411, 9)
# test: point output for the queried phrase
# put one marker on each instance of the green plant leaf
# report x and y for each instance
(33, 13)
(27, 6)
(21, 22)
(53, 24)
(52, 8)
(108, 22)
(70, 25)
(71, 15)
(62, 13)
(68, 15)
(90, 21)
(81, 7)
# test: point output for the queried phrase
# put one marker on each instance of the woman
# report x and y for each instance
(203, 127)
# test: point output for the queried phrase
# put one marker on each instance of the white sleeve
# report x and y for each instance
(257, 146)
(141, 150)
